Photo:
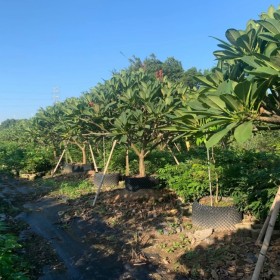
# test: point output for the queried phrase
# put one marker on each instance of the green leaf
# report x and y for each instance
(265, 72)
(272, 25)
(243, 132)
(204, 81)
(250, 60)
(231, 102)
(218, 101)
(215, 138)
(232, 35)
(242, 90)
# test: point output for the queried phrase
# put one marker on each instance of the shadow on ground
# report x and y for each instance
(142, 235)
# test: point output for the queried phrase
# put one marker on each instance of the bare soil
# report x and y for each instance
(147, 234)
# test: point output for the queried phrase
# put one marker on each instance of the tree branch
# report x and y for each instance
(135, 149)
(274, 119)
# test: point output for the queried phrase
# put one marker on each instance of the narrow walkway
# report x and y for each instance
(82, 262)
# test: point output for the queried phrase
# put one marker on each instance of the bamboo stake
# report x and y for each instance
(177, 147)
(58, 162)
(264, 227)
(176, 160)
(93, 158)
(266, 241)
(104, 172)
(104, 151)
(209, 177)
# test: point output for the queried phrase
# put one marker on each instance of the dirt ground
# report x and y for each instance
(147, 234)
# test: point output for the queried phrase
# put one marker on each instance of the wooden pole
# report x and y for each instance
(104, 172)
(127, 167)
(177, 147)
(209, 176)
(176, 160)
(271, 224)
(93, 158)
(58, 162)
(104, 151)
(264, 227)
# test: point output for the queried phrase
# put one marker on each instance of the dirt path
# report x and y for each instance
(143, 235)
(81, 260)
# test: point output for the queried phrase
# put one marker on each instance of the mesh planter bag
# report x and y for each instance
(219, 218)
(110, 180)
(67, 168)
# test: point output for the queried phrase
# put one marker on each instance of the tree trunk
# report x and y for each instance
(127, 169)
(69, 156)
(84, 154)
(142, 171)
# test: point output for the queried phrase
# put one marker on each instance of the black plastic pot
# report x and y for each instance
(110, 180)
(136, 183)
(219, 218)
(69, 168)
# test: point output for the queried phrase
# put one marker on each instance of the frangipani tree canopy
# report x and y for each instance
(242, 93)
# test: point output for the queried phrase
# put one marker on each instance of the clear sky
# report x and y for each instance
(62, 48)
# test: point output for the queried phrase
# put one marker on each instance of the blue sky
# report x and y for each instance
(64, 47)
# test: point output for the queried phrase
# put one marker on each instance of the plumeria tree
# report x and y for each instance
(241, 94)
(143, 106)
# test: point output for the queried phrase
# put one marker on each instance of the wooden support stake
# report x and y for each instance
(264, 227)
(177, 147)
(271, 224)
(93, 158)
(176, 160)
(104, 151)
(104, 172)
(209, 176)
(58, 162)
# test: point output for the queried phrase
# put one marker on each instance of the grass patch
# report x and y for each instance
(74, 190)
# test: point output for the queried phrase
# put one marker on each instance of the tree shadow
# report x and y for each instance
(112, 240)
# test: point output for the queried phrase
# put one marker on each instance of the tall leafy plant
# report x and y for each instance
(143, 106)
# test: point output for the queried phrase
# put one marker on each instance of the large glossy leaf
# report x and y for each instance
(251, 61)
(272, 25)
(265, 72)
(232, 35)
(216, 137)
(218, 101)
(243, 132)
(214, 123)
(267, 36)
(242, 90)
(204, 81)
(232, 102)
(243, 42)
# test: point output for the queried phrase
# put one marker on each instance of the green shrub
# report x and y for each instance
(26, 159)
(189, 180)
(37, 160)
(250, 177)
(11, 265)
